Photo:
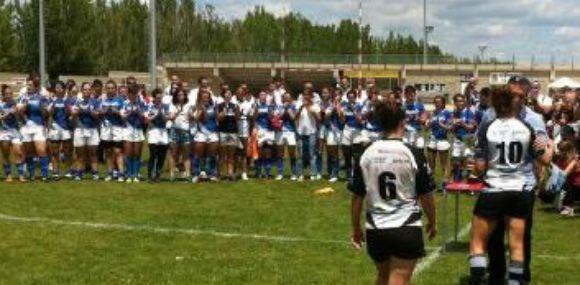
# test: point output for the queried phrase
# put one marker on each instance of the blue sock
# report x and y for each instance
(258, 167)
(280, 165)
(20, 167)
(293, 165)
(44, 161)
(269, 162)
(7, 169)
(31, 165)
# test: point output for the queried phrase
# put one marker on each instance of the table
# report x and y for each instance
(457, 188)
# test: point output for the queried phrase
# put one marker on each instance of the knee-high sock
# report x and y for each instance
(161, 155)
(293, 165)
(7, 169)
(31, 165)
(44, 162)
(280, 161)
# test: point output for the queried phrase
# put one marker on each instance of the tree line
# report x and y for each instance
(95, 36)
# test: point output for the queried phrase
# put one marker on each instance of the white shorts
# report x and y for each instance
(32, 133)
(131, 134)
(85, 137)
(58, 133)
(11, 135)
(438, 145)
(369, 136)
(350, 136)
(414, 138)
(158, 136)
(460, 149)
(286, 138)
(206, 137)
(229, 139)
(266, 137)
(112, 133)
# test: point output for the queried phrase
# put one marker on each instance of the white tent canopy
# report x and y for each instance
(564, 82)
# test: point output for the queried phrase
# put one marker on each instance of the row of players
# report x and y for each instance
(211, 126)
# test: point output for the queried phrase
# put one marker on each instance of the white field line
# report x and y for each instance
(161, 230)
(436, 253)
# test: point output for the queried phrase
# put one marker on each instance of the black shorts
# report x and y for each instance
(111, 144)
(504, 204)
(403, 242)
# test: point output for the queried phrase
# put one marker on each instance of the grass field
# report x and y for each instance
(253, 232)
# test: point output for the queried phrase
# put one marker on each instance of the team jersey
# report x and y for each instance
(506, 145)
(158, 114)
(413, 112)
(60, 108)
(35, 105)
(209, 122)
(183, 116)
(467, 117)
(86, 107)
(350, 113)
(111, 108)
(371, 122)
(8, 112)
(391, 176)
(288, 124)
(440, 117)
(228, 123)
(263, 111)
(134, 112)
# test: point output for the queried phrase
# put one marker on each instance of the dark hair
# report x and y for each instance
(185, 98)
(456, 96)
(502, 101)
(389, 114)
(410, 89)
(484, 92)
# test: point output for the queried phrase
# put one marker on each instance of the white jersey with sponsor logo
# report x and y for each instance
(391, 176)
(506, 145)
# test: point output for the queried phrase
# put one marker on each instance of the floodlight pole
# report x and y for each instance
(41, 43)
(152, 45)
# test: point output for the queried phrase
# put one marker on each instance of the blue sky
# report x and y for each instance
(523, 27)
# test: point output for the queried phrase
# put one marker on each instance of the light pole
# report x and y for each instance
(41, 43)
(152, 45)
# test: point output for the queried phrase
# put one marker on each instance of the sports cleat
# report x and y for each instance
(279, 177)
(333, 180)
(245, 176)
(293, 178)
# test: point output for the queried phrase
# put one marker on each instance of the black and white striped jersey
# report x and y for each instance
(506, 145)
(390, 176)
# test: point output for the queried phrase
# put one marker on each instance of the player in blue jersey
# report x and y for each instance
(157, 115)
(228, 114)
(206, 138)
(333, 134)
(85, 114)
(263, 113)
(10, 138)
(372, 130)
(415, 116)
(350, 114)
(286, 138)
(463, 126)
(33, 110)
(60, 129)
(112, 131)
(439, 124)
(133, 114)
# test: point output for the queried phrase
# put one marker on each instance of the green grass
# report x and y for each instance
(48, 253)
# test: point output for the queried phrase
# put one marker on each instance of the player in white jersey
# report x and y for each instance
(393, 178)
(505, 148)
